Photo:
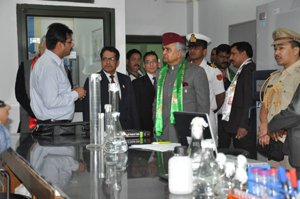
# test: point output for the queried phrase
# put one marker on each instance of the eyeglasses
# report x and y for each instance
(110, 59)
(70, 42)
(150, 62)
(135, 59)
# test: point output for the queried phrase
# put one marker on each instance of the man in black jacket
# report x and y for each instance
(144, 90)
(239, 100)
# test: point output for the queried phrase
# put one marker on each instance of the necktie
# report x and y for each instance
(154, 79)
(112, 79)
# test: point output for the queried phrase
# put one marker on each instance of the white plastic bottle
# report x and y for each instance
(180, 172)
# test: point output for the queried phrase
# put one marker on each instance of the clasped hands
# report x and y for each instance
(264, 134)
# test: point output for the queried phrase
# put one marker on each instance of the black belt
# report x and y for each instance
(52, 121)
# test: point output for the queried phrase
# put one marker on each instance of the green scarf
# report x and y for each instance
(176, 104)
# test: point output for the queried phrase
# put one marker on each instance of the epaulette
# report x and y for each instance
(212, 65)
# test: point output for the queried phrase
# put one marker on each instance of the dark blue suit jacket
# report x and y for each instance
(128, 112)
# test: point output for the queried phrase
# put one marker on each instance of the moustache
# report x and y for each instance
(136, 65)
(277, 57)
(226, 63)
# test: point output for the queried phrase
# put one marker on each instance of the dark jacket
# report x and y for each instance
(128, 112)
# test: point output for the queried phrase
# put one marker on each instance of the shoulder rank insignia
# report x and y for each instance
(211, 65)
(193, 38)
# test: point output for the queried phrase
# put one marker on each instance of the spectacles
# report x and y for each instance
(150, 62)
(70, 42)
(110, 59)
(135, 59)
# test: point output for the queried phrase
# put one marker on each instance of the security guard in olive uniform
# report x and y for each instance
(197, 44)
(281, 85)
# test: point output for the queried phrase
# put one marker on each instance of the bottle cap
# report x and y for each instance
(263, 172)
(273, 171)
(281, 174)
(293, 177)
(255, 169)
(180, 150)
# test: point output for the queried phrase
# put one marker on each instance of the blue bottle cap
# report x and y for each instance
(281, 174)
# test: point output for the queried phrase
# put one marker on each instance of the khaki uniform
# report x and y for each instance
(290, 80)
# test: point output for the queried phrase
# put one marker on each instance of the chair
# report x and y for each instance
(9, 195)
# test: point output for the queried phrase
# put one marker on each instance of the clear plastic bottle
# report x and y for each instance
(180, 172)
(255, 186)
(207, 175)
(274, 182)
(264, 178)
(116, 143)
(194, 149)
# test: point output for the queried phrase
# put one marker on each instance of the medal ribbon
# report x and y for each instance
(176, 103)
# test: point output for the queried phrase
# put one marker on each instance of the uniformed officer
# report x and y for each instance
(197, 44)
(281, 85)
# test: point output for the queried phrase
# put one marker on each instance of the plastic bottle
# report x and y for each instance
(116, 143)
(255, 186)
(274, 182)
(194, 149)
(290, 187)
(207, 175)
(263, 178)
(180, 172)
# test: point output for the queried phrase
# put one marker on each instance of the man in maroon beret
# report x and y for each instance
(181, 86)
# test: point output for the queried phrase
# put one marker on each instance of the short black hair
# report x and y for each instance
(294, 44)
(110, 49)
(243, 46)
(131, 52)
(57, 32)
(223, 48)
(149, 53)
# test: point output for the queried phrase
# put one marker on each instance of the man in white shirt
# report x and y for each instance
(197, 44)
(52, 99)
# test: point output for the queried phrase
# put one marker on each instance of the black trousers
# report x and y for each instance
(247, 143)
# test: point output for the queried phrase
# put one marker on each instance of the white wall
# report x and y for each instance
(215, 16)
(9, 46)
(155, 17)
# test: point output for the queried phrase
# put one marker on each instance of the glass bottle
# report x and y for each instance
(207, 175)
(114, 97)
(241, 177)
(221, 160)
(116, 142)
(194, 149)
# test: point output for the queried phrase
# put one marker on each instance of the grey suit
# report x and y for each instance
(195, 96)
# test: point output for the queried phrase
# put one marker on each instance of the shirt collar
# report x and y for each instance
(108, 75)
(291, 69)
(150, 76)
(56, 58)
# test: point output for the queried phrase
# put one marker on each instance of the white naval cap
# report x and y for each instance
(195, 39)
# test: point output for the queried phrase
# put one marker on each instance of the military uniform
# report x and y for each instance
(216, 87)
(286, 81)
(289, 81)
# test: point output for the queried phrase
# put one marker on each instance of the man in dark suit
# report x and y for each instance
(145, 92)
(239, 100)
(128, 112)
